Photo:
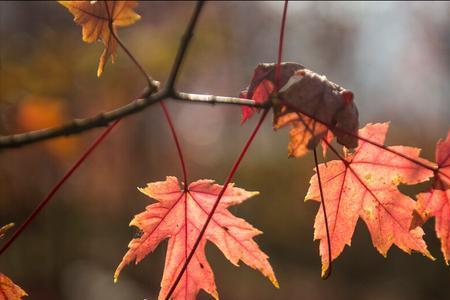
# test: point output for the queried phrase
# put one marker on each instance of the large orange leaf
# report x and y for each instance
(179, 216)
(9, 290)
(94, 17)
(436, 202)
(364, 185)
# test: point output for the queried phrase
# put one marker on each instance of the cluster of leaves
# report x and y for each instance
(362, 183)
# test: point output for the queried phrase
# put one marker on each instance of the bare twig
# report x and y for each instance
(80, 125)
(152, 84)
(212, 99)
(187, 36)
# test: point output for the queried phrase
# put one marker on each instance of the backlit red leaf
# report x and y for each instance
(178, 216)
(364, 186)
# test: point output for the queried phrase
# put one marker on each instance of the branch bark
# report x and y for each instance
(77, 126)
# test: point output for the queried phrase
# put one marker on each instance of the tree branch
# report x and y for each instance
(80, 125)
(212, 99)
(147, 98)
(185, 41)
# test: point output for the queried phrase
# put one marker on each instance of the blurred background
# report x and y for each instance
(395, 57)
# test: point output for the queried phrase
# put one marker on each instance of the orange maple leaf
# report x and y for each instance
(179, 215)
(436, 202)
(364, 185)
(94, 17)
(9, 290)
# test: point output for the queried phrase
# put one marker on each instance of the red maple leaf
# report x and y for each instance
(9, 290)
(179, 216)
(364, 185)
(436, 202)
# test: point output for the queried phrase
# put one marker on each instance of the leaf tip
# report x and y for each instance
(254, 194)
(325, 271)
(117, 273)
(274, 282)
(215, 295)
(428, 254)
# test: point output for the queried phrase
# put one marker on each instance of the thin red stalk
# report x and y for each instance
(280, 46)
(177, 143)
(235, 166)
(216, 204)
(152, 84)
(322, 198)
(58, 185)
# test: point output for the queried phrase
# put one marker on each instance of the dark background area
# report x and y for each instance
(393, 56)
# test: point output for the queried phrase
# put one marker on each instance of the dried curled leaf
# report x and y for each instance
(313, 105)
(9, 290)
(94, 17)
(309, 102)
(262, 85)
(179, 216)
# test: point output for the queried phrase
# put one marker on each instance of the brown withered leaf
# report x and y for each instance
(315, 107)
(94, 18)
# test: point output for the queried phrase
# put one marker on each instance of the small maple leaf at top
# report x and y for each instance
(9, 290)
(179, 216)
(94, 17)
(364, 185)
(436, 202)
(314, 106)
